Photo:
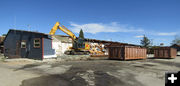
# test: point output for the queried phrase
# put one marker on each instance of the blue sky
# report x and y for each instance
(116, 20)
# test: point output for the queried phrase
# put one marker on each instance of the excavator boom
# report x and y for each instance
(64, 29)
(78, 45)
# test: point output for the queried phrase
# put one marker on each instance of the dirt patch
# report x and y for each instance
(27, 66)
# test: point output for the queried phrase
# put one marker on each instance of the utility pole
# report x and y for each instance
(14, 22)
(29, 27)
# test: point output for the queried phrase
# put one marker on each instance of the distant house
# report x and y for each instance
(28, 44)
(176, 47)
(1, 44)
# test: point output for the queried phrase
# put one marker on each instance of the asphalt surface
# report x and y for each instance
(149, 72)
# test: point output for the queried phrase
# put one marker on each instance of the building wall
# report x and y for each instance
(57, 46)
(61, 44)
(65, 46)
(30, 51)
(60, 47)
(12, 45)
(48, 52)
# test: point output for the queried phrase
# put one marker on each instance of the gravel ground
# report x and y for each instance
(149, 72)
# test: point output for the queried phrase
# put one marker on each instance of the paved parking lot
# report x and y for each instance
(149, 72)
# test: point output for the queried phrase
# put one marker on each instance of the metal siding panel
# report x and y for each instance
(48, 48)
(35, 53)
(49, 52)
(24, 51)
(133, 53)
(127, 53)
(10, 45)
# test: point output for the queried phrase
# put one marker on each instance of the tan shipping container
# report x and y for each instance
(165, 52)
(127, 52)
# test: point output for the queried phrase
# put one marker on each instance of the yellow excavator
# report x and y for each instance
(79, 46)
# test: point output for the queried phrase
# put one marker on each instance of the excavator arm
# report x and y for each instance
(79, 46)
(64, 29)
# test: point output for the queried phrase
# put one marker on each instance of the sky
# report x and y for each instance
(113, 20)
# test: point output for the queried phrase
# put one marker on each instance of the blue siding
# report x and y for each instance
(48, 47)
(10, 44)
(14, 38)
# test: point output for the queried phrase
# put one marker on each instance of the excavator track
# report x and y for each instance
(71, 52)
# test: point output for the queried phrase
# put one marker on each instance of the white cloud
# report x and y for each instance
(167, 34)
(140, 36)
(100, 27)
(115, 27)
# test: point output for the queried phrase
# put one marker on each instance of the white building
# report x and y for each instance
(61, 44)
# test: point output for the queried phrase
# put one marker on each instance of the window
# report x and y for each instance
(37, 43)
(23, 44)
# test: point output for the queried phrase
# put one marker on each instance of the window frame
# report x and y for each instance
(37, 43)
(24, 42)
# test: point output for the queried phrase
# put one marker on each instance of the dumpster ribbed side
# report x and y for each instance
(127, 52)
(165, 52)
